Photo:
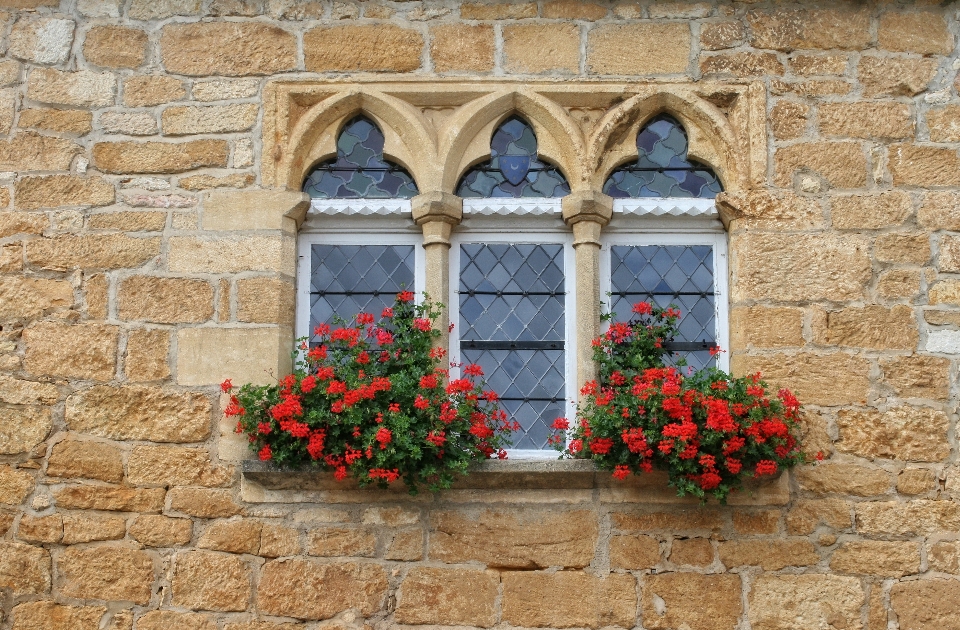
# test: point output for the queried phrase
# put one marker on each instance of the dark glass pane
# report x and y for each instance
(662, 168)
(513, 169)
(360, 170)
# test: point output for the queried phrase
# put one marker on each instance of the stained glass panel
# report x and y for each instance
(662, 168)
(360, 170)
(513, 169)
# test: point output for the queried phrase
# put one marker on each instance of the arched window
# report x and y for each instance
(684, 264)
(362, 263)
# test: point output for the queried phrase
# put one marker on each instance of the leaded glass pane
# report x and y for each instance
(678, 275)
(360, 170)
(513, 169)
(350, 279)
(662, 168)
(512, 325)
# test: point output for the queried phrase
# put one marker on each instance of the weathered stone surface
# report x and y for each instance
(60, 120)
(945, 292)
(682, 520)
(945, 556)
(15, 485)
(12, 223)
(943, 123)
(40, 529)
(159, 157)
(106, 573)
(225, 89)
(765, 327)
(147, 355)
(673, 600)
(167, 620)
(771, 555)
(255, 48)
(406, 545)
(205, 182)
(204, 580)
(23, 428)
(115, 46)
(789, 119)
(265, 300)
(941, 318)
(830, 379)
(55, 191)
(780, 267)
(242, 253)
(535, 599)
(524, 540)
(906, 432)
(870, 211)
(913, 165)
(873, 327)
(477, 11)
(41, 40)
(29, 151)
(178, 121)
(921, 32)
(799, 602)
(204, 503)
(915, 481)
(103, 251)
(87, 459)
(341, 541)
(817, 65)
(390, 516)
(537, 48)
(926, 604)
(154, 530)
(241, 536)
(895, 76)
(841, 164)
(128, 123)
(877, 557)
(948, 260)
(165, 300)
(83, 88)
(277, 541)
(792, 29)
(449, 597)
(895, 283)
(159, 9)
(51, 616)
(81, 529)
(741, 64)
(6, 522)
(691, 551)
(572, 10)
(461, 47)
(720, 35)
(24, 569)
(174, 466)
(882, 121)
(902, 247)
(140, 413)
(639, 48)
(325, 589)
(373, 48)
(843, 478)
(83, 351)
(914, 518)
(149, 90)
(917, 376)
(634, 552)
(207, 356)
(111, 498)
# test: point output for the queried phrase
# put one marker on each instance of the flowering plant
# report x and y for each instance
(371, 400)
(708, 430)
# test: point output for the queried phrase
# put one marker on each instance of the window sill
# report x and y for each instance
(496, 481)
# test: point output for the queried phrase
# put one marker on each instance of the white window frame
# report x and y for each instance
(515, 232)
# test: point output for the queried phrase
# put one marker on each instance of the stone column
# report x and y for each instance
(436, 213)
(587, 212)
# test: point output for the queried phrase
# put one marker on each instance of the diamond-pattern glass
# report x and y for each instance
(350, 279)
(679, 275)
(513, 169)
(514, 292)
(360, 170)
(662, 168)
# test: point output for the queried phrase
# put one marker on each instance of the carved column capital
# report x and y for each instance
(587, 205)
(437, 206)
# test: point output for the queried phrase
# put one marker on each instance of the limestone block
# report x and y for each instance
(225, 210)
(43, 40)
(691, 551)
(204, 502)
(639, 49)
(771, 555)
(326, 589)
(945, 292)
(225, 89)
(477, 11)
(827, 379)
(390, 516)
(841, 164)
(15, 485)
(843, 478)
(12, 223)
(877, 557)
(926, 604)
(572, 10)
(945, 556)
(539, 48)
(205, 182)
(83, 88)
(54, 191)
(154, 530)
(231, 254)
(671, 600)
(110, 498)
(537, 599)
(945, 341)
(106, 573)
(406, 545)
(913, 165)
(341, 541)
(766, 327)
(40, 529)
(792, 29)
(915, 481)
(741, 64)
(50, 616)
(277, 541)
(871, 211)
(84, 351)
(150, 90)
(232, 536)
(174, 465)
(883, 121)
(128, 123)
(102, 251)
(208, 356)
(179, 121)
(265, 301)
(22, 428)
(159, 157)
(818, 65)
(874, 327)
(87, 459)
(763, 522)
(160, 9)
(99, 8)
(921, 517)
(29, 151)
(789, 120)
(203, 580)
(895, 76)
(9, 72)
(165, 300)
(71, 121)
(515, 540)
(921, 32)
(370, 48)
(461, 47)
(682, 520)
(197, 49)
(139, 413)
(147, 355)
(721, 34)
(24, 569)
(634, 552)
(460, 597)
(903, 248)
(917, 376)
(115, 46)
(82, 529)
(798, 602)
(166, 619)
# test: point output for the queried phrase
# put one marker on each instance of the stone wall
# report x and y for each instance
(139, 265)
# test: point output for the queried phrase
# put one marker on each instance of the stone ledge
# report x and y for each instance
(266, 483)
